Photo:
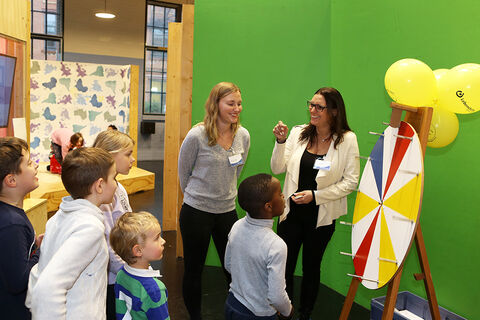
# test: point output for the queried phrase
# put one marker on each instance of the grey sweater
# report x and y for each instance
(256, 258)
(207, 180)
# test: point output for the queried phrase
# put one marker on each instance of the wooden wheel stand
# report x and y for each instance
(420, 119)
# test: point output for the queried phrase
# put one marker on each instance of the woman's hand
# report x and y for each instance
(302, 197)
(281, 132)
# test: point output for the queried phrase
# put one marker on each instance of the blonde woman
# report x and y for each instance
(209, 164)
(120, 146)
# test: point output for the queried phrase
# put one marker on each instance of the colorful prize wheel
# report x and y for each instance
(387, 206)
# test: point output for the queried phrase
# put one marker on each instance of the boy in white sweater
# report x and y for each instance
(70, 279)
(256, 256)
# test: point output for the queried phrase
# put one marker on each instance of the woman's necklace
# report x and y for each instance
(225, 140)
(325, 139)
(318, 145)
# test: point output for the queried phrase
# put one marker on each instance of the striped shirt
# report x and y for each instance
(140, 295)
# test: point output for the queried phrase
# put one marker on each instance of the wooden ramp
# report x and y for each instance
(51, 186)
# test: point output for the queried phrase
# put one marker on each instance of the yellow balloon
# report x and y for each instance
(411, 82)
(443, 128)
(459, 89)
(440, 74)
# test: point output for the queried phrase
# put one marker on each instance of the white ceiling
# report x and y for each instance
(121, 36)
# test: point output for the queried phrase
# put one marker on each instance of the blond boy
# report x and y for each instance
(136, 238)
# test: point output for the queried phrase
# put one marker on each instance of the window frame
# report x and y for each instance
(152, 49)
(44, 36)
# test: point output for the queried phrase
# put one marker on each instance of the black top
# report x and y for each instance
(306, 180)
(306, 177)
(19, 255)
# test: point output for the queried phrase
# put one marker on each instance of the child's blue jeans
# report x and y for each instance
(235, 310)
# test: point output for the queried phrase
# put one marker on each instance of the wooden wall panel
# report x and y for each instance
(186, 96)
(15, 25)
(187, 71)
(133, 120)
(171, 192)
(178, 116)
(15, 19)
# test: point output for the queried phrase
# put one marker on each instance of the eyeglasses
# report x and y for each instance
(316, 106)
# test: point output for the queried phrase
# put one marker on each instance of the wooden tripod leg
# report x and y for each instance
(347, 305)
(427, 277)
(391, 299)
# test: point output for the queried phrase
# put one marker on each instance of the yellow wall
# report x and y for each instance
(14, 19)
(15, 23)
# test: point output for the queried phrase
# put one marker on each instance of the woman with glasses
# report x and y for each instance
(322, 167)
(209, 164)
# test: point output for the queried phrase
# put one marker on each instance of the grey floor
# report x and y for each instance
(214, 291)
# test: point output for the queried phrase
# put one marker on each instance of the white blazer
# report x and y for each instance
(333, 185)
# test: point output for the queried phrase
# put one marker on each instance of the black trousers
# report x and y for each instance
(300, 228)
(111, 313)
(197, 227)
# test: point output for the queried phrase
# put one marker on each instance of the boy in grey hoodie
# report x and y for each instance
(256, 256)
(70, 279)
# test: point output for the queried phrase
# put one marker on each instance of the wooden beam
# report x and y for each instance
(426, 275)
(172, 128)
(421, 120)
(347, 305)
(187, 71)
(391, 298)
(26, 73)
(133, 117)
(178, 117)
(186, 96)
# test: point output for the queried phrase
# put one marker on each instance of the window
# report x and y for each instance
(156, 42)
(47, 29)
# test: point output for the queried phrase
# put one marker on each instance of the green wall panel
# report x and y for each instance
(277, 52)
(280, 52)
(367, 37)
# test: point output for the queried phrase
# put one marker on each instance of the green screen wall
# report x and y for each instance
(280, 52)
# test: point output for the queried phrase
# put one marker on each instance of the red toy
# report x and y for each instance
(55, 167)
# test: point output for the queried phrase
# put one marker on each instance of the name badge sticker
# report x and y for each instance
(235, 160)
(322, 165)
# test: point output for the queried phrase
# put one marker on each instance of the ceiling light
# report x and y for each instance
(105, 14)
